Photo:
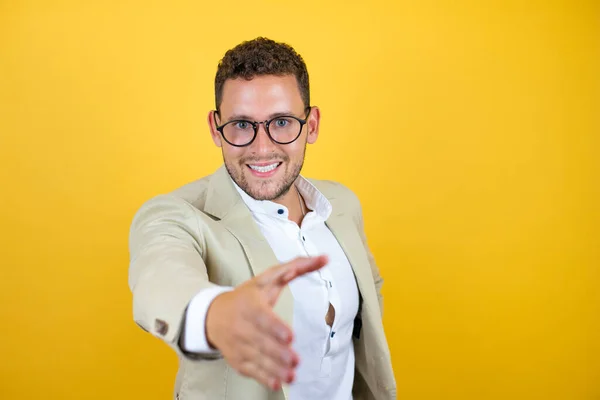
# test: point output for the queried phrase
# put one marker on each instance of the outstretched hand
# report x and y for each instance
(242, 325)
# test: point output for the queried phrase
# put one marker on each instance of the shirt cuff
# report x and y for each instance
(195, 322)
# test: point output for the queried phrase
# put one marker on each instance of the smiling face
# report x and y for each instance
(265, 170)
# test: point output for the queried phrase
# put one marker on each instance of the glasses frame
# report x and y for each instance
(266, 124)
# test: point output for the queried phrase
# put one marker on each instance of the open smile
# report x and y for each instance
(263, 170)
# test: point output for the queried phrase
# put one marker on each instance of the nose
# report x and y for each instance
(263, 143)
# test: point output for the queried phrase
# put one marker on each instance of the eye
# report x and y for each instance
(281, 122)
(242, 125)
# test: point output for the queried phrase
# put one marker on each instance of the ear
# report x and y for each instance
(214, 133)
(313, 124)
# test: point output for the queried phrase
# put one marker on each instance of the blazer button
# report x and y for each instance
(161, 327)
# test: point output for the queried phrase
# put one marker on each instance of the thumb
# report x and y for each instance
(283, 274)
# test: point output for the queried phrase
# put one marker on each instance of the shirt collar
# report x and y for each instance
(314, 199)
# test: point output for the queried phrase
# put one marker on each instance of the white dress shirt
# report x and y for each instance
(326, 368)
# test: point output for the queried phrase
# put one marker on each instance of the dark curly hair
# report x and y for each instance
(261, 56)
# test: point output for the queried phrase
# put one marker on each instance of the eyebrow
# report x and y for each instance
(236, 117)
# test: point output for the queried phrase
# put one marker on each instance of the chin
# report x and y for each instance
(269, 190)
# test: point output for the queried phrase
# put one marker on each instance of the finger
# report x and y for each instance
(283, 274)
(257, 315)
(301, 268)
(275, 273)
(268, 324)
(270, 365)
(277, 349)
(260, 348)
(254, 371)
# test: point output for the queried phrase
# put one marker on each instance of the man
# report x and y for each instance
(260, 279)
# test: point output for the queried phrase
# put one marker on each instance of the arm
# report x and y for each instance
(167, 274)
(166, 267)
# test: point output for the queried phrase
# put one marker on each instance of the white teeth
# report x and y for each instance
(264, 168)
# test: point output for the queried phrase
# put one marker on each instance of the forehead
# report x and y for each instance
(261, 95)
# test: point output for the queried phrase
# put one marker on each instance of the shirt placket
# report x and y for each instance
(333, 298)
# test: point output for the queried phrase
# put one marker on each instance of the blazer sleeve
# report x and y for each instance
(166, 267)
(374, 268)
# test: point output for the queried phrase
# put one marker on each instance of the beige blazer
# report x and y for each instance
(201, 235)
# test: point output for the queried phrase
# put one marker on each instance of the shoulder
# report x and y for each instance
(177, 204)
(193, 193)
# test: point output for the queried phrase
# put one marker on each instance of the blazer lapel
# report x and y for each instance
(224, 202)
(260, 255)
(347, 235)
(368, 342)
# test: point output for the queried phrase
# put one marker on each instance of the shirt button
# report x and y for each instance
(332, 334)
(280, 211)
(303, 238)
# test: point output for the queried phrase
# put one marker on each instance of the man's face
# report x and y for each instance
(265, 170)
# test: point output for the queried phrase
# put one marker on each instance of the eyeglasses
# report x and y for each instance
(283, 129)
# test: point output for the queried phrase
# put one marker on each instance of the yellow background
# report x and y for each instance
(470, 130)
